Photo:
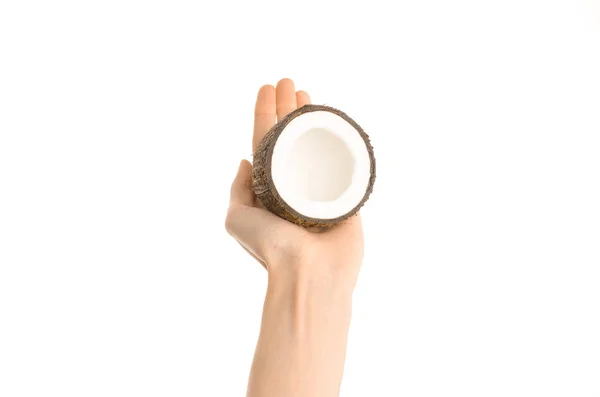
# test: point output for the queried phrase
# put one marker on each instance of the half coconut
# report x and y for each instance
(315, 167)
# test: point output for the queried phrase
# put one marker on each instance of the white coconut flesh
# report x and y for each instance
(320, 165)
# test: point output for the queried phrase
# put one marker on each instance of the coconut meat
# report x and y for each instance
(320, 165)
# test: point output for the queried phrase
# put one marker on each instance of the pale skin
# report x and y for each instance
(311, 275)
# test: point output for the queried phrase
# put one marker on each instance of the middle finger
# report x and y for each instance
(286, 98)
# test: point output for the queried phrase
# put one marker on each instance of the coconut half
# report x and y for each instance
(315, 167)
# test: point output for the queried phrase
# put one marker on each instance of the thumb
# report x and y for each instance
(241, 188)
(252, 227)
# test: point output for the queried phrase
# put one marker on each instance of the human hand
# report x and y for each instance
(328, 258)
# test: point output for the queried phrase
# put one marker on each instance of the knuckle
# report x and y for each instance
(264, 112)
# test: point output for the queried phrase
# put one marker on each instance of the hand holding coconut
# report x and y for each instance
(312, 270)
(321, 187)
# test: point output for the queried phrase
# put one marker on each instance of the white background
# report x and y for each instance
(122, 124)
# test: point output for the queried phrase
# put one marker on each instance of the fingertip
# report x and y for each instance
(244, 164)
(266, 89)
(265, 100)
(285, 90)
(285, 81)
(245, 170)
(302, 98)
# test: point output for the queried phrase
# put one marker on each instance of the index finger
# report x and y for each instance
(264, 114)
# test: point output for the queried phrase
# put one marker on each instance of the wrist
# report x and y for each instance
(309, 294)
(311, 280)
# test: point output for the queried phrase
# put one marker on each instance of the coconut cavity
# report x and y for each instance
(315, 167)
(319, 166)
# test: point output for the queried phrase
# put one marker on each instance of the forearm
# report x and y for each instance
(302, 343)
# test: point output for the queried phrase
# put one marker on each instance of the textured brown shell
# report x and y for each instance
(262, 180)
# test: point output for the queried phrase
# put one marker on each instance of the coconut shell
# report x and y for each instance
(262, 180)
